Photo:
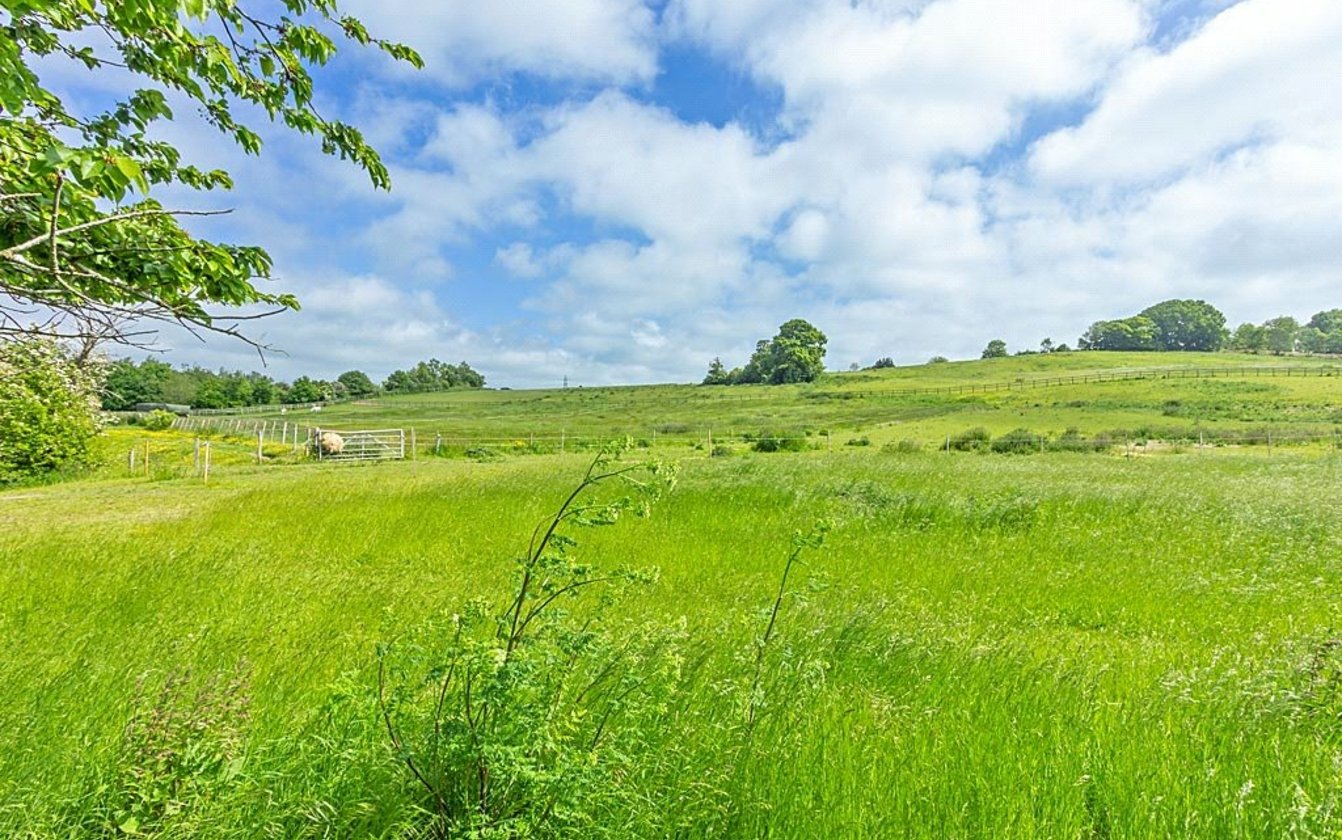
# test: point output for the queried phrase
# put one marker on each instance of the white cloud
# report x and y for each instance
(609, 41)
(1209, 166)
(519, 260)
(1253, 74)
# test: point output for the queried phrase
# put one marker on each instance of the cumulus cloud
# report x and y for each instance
(607, 41)
(941, 172)
(1251, 76)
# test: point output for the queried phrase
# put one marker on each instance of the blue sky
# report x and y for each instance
(615, 192)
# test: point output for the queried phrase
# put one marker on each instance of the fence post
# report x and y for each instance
(207, 462)
(195, 456)
(1269, 442)
(260, 439)
(948, 444)
(412, 443)
(130, 462)
(710, 441)
(146, 459)
(438, 444)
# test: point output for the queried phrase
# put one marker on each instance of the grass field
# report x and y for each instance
(923, 403)
(1054, 645)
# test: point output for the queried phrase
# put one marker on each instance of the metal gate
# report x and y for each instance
(372, 445)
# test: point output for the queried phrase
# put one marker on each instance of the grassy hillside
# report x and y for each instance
(1174, 394)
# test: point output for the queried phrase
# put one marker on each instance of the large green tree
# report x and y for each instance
(433, 375)
(796, 354)
(356, 383)
(85, 252)
(1135, 333)
(1281, 333)
(1187, 325)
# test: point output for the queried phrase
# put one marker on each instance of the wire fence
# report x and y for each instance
(413, 442)
(243, 450)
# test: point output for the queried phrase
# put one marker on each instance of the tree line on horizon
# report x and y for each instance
(128, 384)
(1197, 326)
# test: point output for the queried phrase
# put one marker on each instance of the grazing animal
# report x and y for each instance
(331, 443)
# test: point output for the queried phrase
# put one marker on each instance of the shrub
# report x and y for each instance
(483, 453)
(158, 420)
(1017, 442)
(519, 715)
(859, 441)
(779, 441)
(48, 408)
(1073, 441)
(721, 451)
(902, 447)
(970, 439)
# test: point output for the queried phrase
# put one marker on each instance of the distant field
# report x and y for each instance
(924, 403)
(1048, 645)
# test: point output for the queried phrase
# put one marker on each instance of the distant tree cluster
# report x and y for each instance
(433, 375)
(130, 383)
(796, 354)
(1190, 325)
(1284, 334)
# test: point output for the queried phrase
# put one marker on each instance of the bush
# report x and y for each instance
(48, 408)
(780, 442)
(721, 451)
(1073, 441)
(1017, 442)
(859, 441)
(483, 453)
(520, 717)
(970, 439)
(902, 447)
(158, 420)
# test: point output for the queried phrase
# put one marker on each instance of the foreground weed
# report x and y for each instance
(181, 748)
(519, 715)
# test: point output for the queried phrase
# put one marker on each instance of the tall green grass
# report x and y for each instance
(1060, 645)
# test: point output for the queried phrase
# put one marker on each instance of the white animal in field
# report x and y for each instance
(331, 443)
(316, 408)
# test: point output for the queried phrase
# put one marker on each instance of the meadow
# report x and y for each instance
(1066, 644)
(1047, 394)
